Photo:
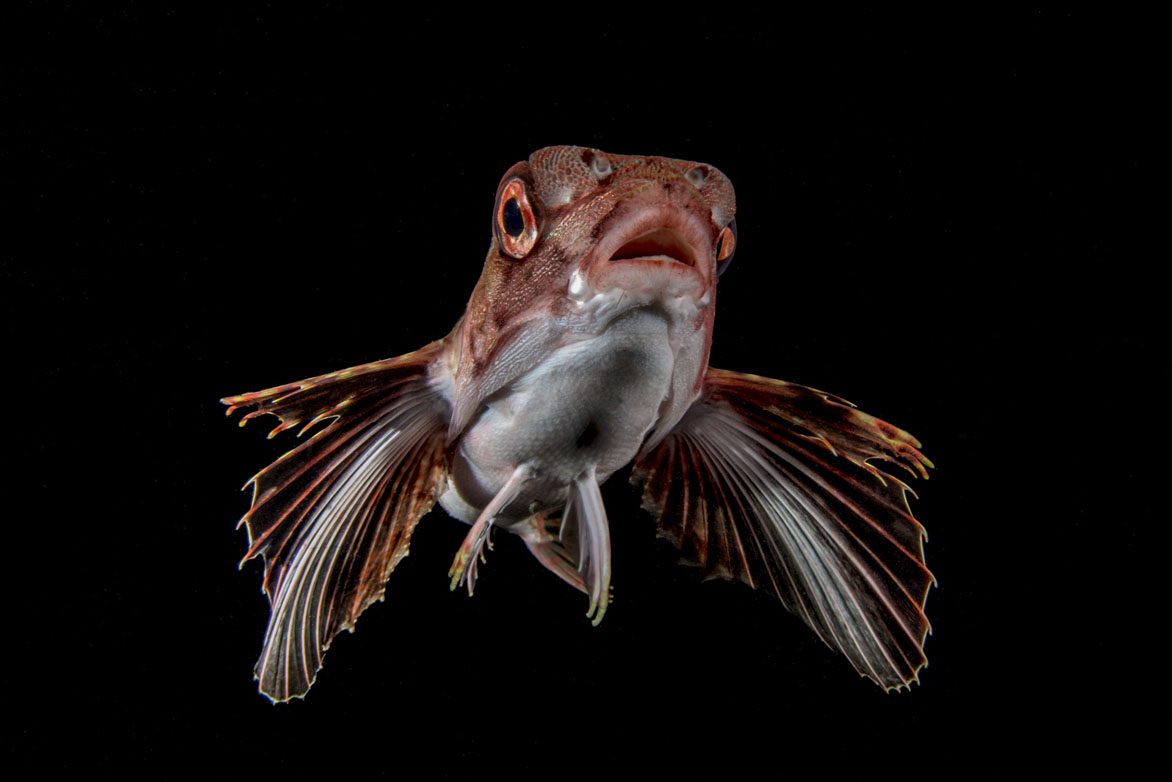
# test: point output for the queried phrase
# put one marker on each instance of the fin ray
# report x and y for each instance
(585, 518)
(553, 550)
(779, 491)
(333, 516)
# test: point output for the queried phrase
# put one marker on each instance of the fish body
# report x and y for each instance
(584, 348)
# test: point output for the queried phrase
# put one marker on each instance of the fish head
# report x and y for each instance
(579, 238)
(572, 223)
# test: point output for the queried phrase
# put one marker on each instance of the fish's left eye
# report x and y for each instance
(726, 245)
(516, 220)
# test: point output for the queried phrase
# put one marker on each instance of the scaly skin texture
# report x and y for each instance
(583, 196)
(584, 348)
(569, 355)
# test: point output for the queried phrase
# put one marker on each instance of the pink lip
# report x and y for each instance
(658, 244)
(662, 236)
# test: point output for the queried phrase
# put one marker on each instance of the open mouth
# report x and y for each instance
(659, 244)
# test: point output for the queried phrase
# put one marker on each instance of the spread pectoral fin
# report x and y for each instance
(333, 516)
(773, 484)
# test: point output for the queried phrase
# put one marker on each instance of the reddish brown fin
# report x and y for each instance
(773, 484)
(333, 516)
(556, 546)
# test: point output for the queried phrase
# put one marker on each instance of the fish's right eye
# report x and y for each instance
(726, 245)
(516, 220)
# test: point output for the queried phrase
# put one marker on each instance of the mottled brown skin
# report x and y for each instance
(515, 416)
(576, 208)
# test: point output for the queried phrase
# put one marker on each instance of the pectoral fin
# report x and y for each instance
(774, 484)
(333, 516)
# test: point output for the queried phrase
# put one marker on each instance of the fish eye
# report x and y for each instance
(726, 245)
(516, 220)
(511, 219)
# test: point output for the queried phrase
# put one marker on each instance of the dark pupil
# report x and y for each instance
(511, 217)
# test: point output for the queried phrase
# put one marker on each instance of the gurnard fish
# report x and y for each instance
(584, 348)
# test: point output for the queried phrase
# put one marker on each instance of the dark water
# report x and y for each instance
(939, 219)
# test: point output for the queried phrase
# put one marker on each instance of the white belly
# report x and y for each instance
(590, 404)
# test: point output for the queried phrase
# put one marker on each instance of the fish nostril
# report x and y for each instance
(600, 166)
(697, 176)
(598, 162)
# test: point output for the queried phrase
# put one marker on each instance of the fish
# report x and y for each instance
(583, 350)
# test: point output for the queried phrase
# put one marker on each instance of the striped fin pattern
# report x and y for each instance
(333, 516)
(775, 484)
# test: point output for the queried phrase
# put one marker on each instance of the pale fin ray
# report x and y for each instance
(464, 566)
(771, 483)
(333, 516)
(585, 514)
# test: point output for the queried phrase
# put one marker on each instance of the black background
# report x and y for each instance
(939, 220)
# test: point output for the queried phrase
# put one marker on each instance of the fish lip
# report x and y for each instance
(660, 244)
(683, 238)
